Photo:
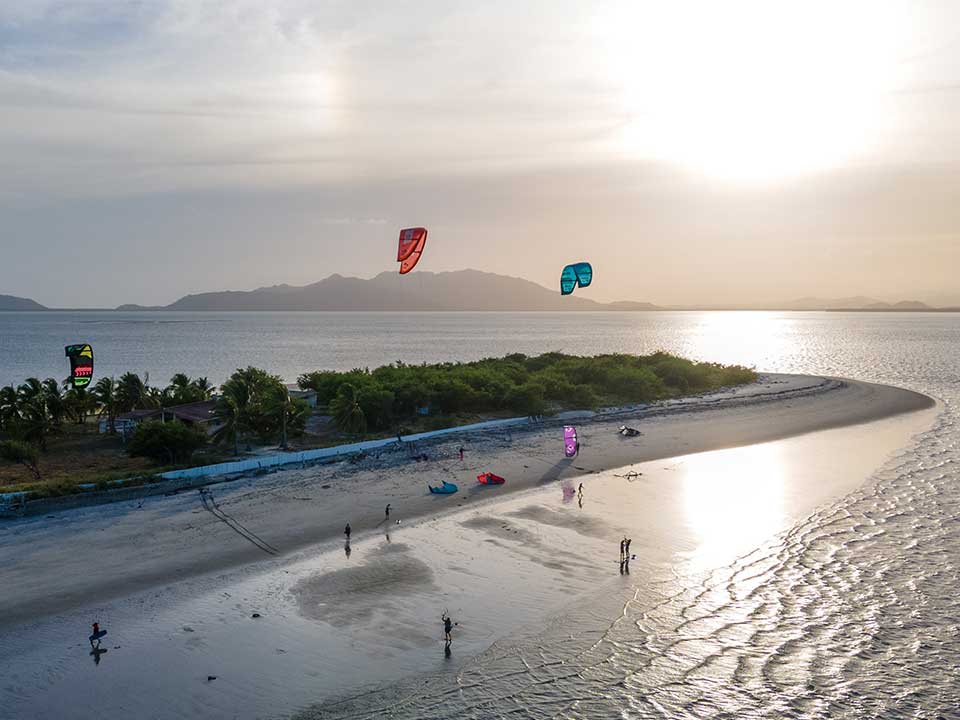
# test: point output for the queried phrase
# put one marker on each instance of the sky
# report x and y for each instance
(697, 153)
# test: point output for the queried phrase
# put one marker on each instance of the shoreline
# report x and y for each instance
(95, 554)
(531, 577)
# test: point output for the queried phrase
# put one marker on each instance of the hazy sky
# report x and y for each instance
(695, 152)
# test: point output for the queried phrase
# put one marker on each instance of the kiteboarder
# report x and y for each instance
(447, 628)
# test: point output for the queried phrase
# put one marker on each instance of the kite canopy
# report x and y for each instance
(410, 249)
(81, 364)
(488, 478)
(571, 446)
(576, 275)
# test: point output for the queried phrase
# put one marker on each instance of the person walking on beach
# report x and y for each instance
(580, 490)
(629, 540)
(447, 628)
(461, 453)
(346, 531)
(386, 512)
(623, 546)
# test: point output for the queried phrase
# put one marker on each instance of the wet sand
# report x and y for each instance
(340, 629)
(91, 555)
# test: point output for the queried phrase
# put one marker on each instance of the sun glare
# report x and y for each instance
(752, 89)
(733, 500)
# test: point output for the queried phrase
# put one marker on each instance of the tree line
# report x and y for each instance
(364, 400)
(251, 404)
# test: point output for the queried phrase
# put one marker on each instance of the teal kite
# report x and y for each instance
(576, 275)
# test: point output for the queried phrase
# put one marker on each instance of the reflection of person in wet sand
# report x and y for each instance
(346, 548)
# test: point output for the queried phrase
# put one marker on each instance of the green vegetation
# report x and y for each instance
(40, 420)
(166, 442)
(256, 404)
(382, 399)
(22, 453)
(44, 425)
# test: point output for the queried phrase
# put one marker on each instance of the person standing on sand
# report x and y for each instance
(461, 453)
(580, 490)
(447, 628)
(629, 540)
(623, 545)
(386, 512)
(346, 531)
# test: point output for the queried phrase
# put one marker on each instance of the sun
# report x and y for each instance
(752, 90)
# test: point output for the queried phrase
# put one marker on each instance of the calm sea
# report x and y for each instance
(852, 613)
(288, 344)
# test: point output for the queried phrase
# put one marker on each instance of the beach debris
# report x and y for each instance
(325, 487)
(410, 248)
(576, 275)
(255, 615)
(629, 431)
(211, 678)
(187, 628)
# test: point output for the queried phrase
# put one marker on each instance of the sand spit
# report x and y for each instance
(77, 557)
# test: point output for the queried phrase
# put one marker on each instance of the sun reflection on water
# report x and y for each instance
(729, 337)
(732, 500)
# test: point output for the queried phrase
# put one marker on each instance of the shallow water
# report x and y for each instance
(851, 612)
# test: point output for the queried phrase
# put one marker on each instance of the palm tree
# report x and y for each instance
(229, 415)
(78, 402)
(202, 388)
(180, 390)
(105, 394)
(34, 422)
(53, 396)
(346, 410)
(9, 407)
(133, 393)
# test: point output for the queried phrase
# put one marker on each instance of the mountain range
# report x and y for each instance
(462, 290)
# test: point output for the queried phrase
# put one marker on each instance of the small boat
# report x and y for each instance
(489, 478)
(448, 488)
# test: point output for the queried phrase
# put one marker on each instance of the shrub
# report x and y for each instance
(168, 443)
(17, 451)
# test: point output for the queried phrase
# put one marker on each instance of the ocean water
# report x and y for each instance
(288, 344)
(853, 612)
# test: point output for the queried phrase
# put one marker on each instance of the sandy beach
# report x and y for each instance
(90, 555)
(339, 626)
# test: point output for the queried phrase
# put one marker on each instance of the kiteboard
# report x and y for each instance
(97, 635)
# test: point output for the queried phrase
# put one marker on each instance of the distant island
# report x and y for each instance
(11, 302)
(461, 290)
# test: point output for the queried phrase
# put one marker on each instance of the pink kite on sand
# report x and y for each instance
(571, 446)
